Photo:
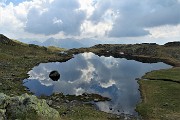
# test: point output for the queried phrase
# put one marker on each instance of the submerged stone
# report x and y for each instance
(54, 75)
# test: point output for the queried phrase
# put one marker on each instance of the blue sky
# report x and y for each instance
(141, 20)
(15, 1)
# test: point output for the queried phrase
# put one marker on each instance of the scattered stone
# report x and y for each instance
(13, 75)
(96, 100)
(54, 75)
(0, 84)
(118, 117)
(87, 97)
(49, 102)
(57, 99)
(165, 104)
(67, 101)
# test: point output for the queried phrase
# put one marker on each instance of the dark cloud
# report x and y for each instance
(136, 15)
(60, 15)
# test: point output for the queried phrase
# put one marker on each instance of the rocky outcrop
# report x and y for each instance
(26, 107)
(6, 40)
(54, 75)
(173, 44)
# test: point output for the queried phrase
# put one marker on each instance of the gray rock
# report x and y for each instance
(96, 100)
(49, 102)
(26, 107)
(2, 114)
(67, 101)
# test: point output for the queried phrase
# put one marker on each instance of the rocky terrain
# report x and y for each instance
(159, 89)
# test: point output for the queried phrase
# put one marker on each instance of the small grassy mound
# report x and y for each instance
(169, 74)
(161, 99)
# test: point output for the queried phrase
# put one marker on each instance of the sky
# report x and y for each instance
(120, 20)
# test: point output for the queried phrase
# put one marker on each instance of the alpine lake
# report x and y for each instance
(115, 78)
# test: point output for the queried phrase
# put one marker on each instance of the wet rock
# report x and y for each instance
(54, 75)
(26, 107)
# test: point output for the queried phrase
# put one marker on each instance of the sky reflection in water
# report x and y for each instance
(87, 72)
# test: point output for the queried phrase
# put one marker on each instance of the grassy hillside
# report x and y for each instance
(141, 52)
(17, 58)
(159, 89)
(161, 98)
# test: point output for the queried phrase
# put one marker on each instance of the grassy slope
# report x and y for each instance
(169, 74)
(16, 59)
(161, 99)
(168, 54)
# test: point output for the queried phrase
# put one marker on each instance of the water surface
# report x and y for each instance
(87, 72)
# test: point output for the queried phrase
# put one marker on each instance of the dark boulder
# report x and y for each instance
(54, 75)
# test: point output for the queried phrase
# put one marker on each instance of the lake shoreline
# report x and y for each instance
(15, 63)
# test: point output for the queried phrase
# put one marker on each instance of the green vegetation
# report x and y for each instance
(159, 89)
(169, 74)
(139, 52)
(16, 59)
(161, 99)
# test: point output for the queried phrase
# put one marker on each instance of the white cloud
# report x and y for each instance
(57, 21)
(109, 84)
(9, 22)
(165, 31)
(91, 18)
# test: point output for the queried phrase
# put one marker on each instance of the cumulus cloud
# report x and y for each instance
(133, 16)
(89, 18)
(54, 17)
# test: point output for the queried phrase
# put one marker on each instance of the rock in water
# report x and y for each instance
(54, 75)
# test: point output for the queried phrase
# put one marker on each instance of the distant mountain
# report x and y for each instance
(63, 43)
(67, 43)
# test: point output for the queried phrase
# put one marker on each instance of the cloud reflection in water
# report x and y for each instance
(87, 72)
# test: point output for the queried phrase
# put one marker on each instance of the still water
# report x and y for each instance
(87, 72)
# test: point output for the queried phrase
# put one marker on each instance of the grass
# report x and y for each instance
(84, 113)
(17, 58)
(139, 52)
(160, 99)
(169, 74)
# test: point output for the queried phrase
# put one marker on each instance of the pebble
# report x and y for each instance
(96, 100)
(166, 104)
(0, 84)
(49, 102)
(67, 101)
